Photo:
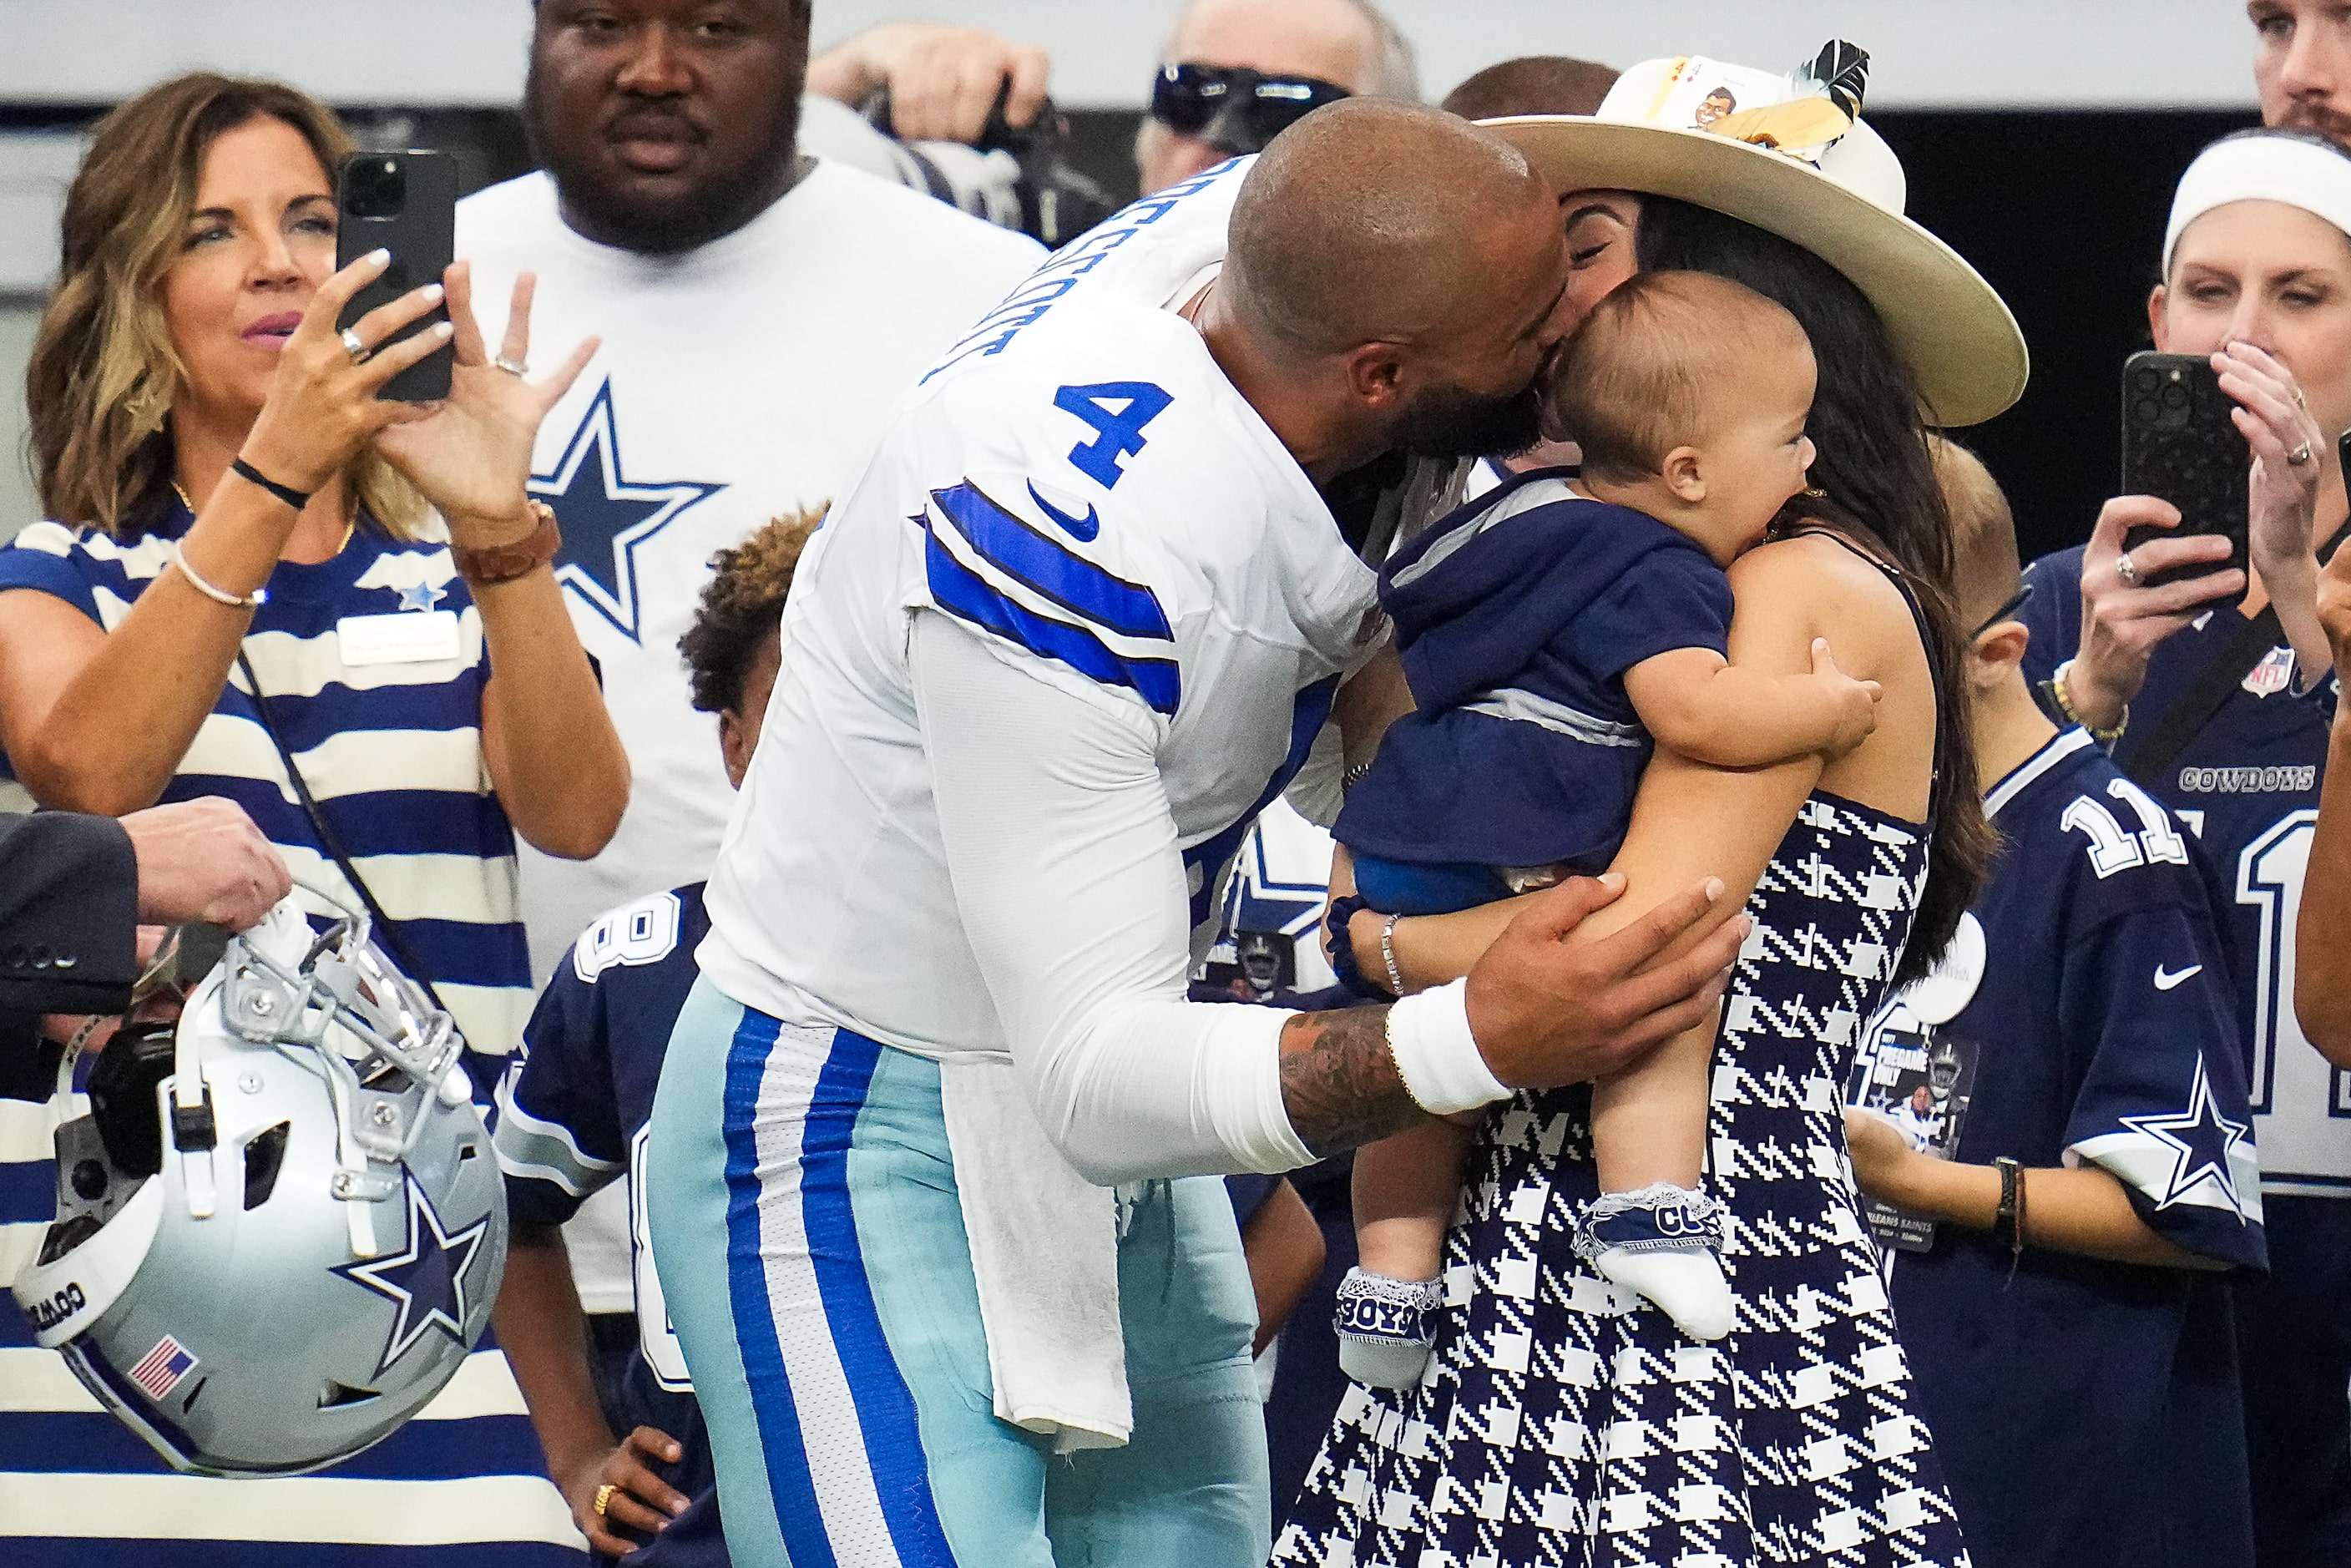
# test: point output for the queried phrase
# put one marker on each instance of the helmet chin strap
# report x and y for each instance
(194, 1134)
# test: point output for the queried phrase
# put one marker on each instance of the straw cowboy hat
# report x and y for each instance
(1791, 155)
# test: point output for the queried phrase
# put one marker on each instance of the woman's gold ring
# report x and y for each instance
(604, 1498)
(2128, 570)
(2299, 455)
(357, 349)
(512, 367)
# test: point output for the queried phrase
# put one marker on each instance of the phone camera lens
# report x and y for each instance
(2148, 411)
(2175, 396)
(374, 187)
(2146, 381)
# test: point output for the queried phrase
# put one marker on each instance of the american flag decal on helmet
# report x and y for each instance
(159, 1370)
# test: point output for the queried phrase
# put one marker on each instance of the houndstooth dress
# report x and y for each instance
(1566, 1421)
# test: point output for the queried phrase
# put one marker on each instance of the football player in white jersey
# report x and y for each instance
(759, 311)
(1076, 623)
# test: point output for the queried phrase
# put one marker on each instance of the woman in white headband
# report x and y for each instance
(2222, 711)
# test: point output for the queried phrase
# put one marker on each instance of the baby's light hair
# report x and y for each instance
(1658, 363)
(1986, 566)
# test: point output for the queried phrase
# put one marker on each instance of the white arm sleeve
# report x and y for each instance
(1071, 890)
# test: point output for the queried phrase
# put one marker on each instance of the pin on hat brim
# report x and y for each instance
(1955, 332)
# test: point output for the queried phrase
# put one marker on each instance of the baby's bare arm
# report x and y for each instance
(1700, 706)
(1405, 1189)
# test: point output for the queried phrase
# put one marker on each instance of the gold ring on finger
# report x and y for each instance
(515, 368)
(356, 347)
(2300, 455)
(603, 1497)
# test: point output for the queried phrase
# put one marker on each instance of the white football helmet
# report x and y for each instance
(280, 1227)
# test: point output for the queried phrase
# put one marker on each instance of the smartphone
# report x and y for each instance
(405, 202)
(2178, 443)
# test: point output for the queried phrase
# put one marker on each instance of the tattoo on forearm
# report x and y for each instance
(1339, 1080)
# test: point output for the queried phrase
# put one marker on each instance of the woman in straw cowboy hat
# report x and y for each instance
(1564, 1420)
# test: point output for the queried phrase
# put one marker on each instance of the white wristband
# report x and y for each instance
(1441, 1066)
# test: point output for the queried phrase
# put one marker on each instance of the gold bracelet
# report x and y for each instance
(2064, 701)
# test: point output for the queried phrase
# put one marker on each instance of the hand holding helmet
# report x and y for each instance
(300, 1149)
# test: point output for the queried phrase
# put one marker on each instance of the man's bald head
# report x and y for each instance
(1377, 220)
(1407, 266)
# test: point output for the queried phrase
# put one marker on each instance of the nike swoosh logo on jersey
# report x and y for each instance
(2165, 979)
(1081, 530)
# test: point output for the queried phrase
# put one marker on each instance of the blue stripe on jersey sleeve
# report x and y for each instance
(1037, 561)
(23, 566)
(963, 593)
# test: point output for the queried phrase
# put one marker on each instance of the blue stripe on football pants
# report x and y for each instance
(828, 1422)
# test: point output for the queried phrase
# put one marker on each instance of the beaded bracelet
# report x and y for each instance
(2055, 685)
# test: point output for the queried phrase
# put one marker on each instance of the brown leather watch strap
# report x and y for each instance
(504, 563)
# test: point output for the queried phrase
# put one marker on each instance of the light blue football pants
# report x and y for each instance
(810, 1245)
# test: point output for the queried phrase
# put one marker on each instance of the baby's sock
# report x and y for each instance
(1385, 1327)
(1662, 1241)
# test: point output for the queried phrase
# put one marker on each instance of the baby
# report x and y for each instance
(1552, 632)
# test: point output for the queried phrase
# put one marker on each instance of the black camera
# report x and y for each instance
(1018, 177)
(377, 186)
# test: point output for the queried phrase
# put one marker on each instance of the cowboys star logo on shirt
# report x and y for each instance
(605, 514)
(425, 1279)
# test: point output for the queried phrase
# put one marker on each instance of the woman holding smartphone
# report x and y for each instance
(2222, 714)
(262, 581)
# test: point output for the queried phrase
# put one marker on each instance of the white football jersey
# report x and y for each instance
(741, 380)
(1079, 484)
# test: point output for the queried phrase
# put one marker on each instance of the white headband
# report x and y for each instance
(2261, 168)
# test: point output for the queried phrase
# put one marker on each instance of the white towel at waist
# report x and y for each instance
(1044, 1251)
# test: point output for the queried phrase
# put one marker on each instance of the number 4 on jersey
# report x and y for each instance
(1120, 429)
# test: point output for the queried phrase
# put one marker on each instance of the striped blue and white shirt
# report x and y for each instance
(383, 714)
(391, 749)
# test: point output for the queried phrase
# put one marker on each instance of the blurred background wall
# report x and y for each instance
(2041, 137)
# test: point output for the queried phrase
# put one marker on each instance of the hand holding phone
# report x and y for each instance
(404, 203)
(2180, 444)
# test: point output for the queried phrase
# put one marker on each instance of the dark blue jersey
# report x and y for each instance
(1516, 618)
(2247, 788)
(572, 1118)
(2086, 1412)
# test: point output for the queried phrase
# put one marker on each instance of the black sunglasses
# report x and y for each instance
(2006, 612)
(1233, 109)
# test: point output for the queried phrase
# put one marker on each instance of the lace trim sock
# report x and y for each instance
(1387, 1327)
(1663, 1242)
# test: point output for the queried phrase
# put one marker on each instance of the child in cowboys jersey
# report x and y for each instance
(2068, 1325)
(1552, 631)
(571, 1120)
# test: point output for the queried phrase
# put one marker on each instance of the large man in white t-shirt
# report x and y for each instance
(1076, 622)
(759, 312)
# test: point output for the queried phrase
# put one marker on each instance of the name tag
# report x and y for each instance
(403, 637)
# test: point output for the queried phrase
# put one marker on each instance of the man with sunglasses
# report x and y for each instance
(1233, 73)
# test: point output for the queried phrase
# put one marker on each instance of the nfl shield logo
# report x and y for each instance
(2272, 675)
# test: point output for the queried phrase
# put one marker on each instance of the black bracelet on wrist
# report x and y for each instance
(1342, 948)
(287, 493)
(2007, 1220)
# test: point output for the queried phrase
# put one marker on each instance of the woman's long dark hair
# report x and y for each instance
(1869, 430)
